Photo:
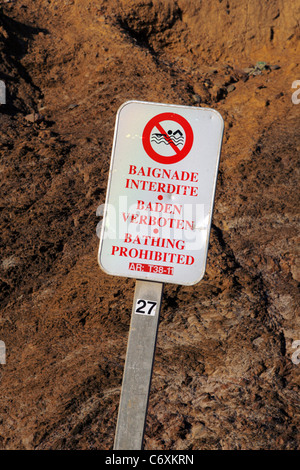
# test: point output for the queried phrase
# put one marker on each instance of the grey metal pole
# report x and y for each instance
(138, 365)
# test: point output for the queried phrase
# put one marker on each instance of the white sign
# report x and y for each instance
(160, 192)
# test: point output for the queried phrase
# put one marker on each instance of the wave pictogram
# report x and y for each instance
(169, 138)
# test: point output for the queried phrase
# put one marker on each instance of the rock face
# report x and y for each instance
(226, 373)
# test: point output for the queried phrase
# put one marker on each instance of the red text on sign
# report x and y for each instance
(151, 268)
(162, 187)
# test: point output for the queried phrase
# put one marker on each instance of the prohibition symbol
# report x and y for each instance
(157, 132)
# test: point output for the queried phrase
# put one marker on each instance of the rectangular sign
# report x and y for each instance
(160, 192)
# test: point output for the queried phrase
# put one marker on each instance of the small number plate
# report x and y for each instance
(145, 307)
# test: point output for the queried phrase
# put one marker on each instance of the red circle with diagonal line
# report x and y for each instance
(179, 154)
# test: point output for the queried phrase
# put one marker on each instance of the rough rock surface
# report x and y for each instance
(224, 375)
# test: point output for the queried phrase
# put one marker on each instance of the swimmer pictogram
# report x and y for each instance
(175, 137)
(159, 131)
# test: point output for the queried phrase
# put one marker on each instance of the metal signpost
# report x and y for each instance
(156, 227)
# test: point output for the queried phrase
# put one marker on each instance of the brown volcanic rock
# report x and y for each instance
(223, 376)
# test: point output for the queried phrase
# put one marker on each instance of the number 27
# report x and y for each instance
(145, 307)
